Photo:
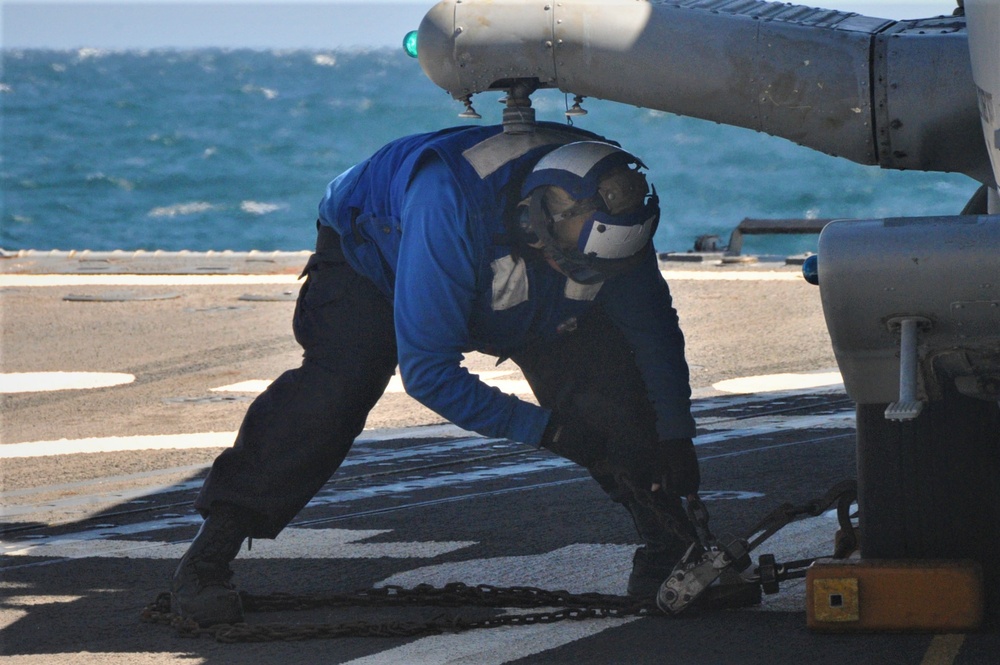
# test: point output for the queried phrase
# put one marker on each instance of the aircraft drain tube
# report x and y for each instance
(898, 94)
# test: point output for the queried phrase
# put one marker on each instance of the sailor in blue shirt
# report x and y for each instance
(534, 246)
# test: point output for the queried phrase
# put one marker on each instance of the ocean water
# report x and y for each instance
(231, 149)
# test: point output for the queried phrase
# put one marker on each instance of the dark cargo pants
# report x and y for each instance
(298, 431)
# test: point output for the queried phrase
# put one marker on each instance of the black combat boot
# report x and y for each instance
(200, 589)
(653, 562)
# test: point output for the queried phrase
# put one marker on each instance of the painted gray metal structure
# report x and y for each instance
(912, 305)
(898, 94)
(943, 273)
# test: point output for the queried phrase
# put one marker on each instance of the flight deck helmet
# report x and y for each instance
(590, 210)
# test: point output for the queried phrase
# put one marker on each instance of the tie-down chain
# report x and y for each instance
(692, 584)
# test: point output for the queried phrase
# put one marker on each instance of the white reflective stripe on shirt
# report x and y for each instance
(510, 283)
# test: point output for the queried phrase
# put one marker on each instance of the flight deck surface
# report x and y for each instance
(99, 475)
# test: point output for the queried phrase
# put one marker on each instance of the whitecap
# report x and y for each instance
(259, 208)
(120, 183)
(325, 60)
(680, 138)
(89, 52)
(163, 139)
(190, 208)
(268, 93)
(5, 88)
(123, 184)
(362, 104)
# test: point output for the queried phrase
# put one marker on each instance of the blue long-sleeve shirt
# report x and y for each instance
(455, 289)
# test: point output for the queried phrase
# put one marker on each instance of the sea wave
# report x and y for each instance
(120, 183)
(98, 142)
(87, 53)
(179, 209)
(259, 208)
(267, 93)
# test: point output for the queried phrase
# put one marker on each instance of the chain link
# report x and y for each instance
(842, 494)
(568, 606)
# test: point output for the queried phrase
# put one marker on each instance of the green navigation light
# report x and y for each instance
(410, 43)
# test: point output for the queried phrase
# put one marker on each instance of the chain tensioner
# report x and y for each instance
(712, 559)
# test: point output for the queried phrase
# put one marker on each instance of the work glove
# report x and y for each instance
(573, 439)
(676, 463)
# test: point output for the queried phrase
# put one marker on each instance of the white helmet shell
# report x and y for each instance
(612, 235)
(577, 168)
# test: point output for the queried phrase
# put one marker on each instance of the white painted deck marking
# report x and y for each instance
(779, 382)
(251, 386)
(293, 544)
(33, 382)
(943, 650)
(510, 386)
(24, 281)
(491, 647)
(771, 425)
(225, 439)
(576, 568)
(40, 599)
(407, 486)
(8, 618)
(840, 420)
(103, 658)
(748, 385)
(80, 504)
(109, 444)
(741, 276)
(90, 542)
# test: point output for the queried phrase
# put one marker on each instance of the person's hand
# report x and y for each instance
(677, 464)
